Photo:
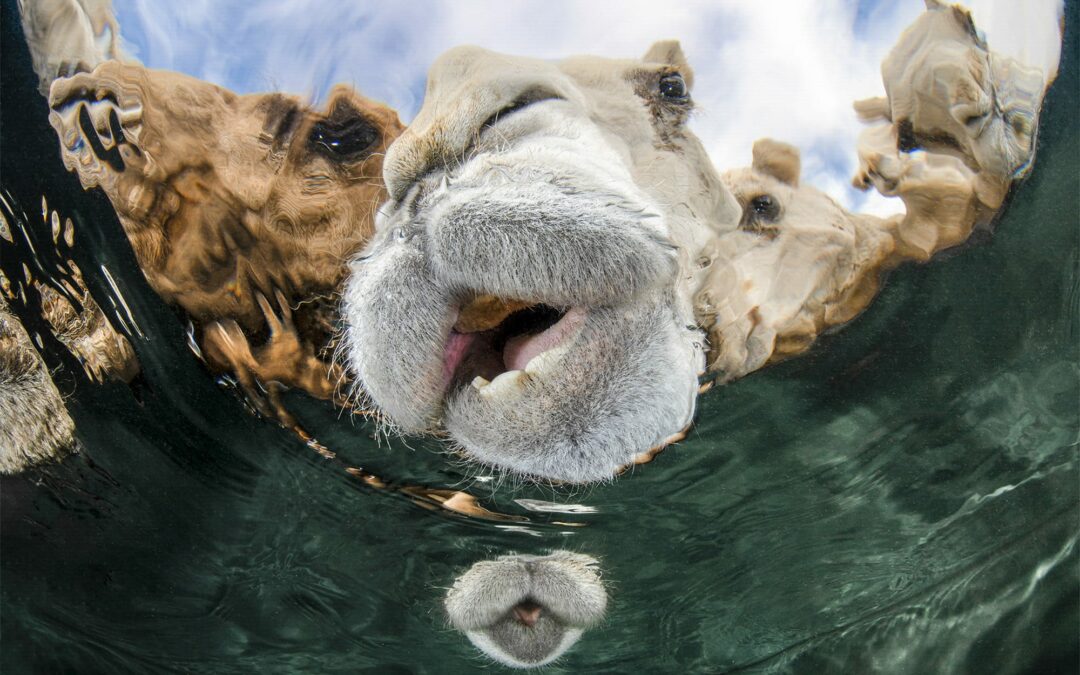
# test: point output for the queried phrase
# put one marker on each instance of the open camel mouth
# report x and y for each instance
(497, 345)
(526, 301)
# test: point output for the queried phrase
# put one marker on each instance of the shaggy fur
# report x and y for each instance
(565, 184)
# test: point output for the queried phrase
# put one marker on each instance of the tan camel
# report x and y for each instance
(242, 210)
(959, 125)
(557, 246)
(796, 264)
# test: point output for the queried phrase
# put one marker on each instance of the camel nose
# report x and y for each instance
(468, 90)
(527, 612)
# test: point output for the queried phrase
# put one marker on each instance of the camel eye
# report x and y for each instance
(342, 140)
(765, 208)
(673, 87)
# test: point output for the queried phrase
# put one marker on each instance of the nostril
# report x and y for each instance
(522, 101)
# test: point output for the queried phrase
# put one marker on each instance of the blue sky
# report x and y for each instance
(785, 69)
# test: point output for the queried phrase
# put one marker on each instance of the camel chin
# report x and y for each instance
(529, 285)
(525, 611)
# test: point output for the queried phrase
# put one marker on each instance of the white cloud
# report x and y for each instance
(786, 69)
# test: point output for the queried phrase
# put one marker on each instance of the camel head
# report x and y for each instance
(948, 92)
(797, 264)
(529, 286)
(226, 197)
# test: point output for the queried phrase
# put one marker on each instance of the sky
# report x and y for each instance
(789, 70)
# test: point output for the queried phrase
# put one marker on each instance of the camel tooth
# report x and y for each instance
(99, 115)
(479, 382)
(64, 120)
(130, 114)
(140, 200)
(544, 360)
(505, 383)
(71, 137)
(132, 130)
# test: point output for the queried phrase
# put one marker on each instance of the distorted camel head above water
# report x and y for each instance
(529, 285)
(239, 208)
(557, 246)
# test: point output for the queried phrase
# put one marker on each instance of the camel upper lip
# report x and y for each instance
(517, 339)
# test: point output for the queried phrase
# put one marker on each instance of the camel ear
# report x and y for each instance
(779, 160)
(670, 53)
(961, 16)
(667, 52)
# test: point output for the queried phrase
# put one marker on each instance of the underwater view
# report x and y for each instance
(475, 362)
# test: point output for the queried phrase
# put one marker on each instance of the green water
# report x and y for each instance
(904, 499)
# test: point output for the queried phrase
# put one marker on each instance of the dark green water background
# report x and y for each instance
(904, 499)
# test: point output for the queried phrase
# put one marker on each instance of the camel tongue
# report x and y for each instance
(485, 312)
